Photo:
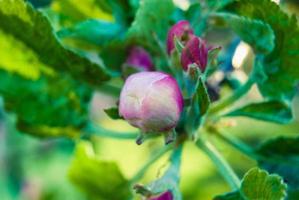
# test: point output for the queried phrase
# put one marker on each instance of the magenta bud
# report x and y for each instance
(139, 59)
(195, 52)
(151, 101)
(164, 196)
(182, 30)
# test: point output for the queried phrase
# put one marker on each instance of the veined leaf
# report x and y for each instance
(49, 106)
(257, 184)
(281, 65)
(284, 152)
(255, 32)
(273, 111)
(31, 30)
(98, 179)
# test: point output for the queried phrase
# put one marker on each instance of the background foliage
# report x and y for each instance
(60, 67)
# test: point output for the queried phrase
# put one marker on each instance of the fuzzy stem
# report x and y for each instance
(99, 131)
(150, 162)
(221, 164)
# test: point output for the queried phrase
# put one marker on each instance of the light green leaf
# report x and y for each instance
(23, 28)
(92, 31)
(273, 111)
(151, 18)
(258, 184)
(98, 179)
(50, 106)
(255, 32)
(281, 65)
(284, 152)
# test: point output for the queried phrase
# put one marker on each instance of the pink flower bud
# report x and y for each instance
(140, 59)
(151, 101)
(196, 52)
(182, 31)
(164, 196)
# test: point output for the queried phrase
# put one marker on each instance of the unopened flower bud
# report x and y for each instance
(139, 59)
(195, 52)
(164, 196)
(151, 101)
(182, 31)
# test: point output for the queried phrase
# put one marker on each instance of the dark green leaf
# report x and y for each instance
(151, 18)
(229, 196)
(281, 65)
(113, 113)
(98, 179)
(255, 32)
(49, 106)
(200, 103)
(29, 29)
(111, 59)
(93, 31)
(217, 4)
(273, 111)
(285, 160)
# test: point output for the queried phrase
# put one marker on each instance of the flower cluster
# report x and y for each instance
(153, 101)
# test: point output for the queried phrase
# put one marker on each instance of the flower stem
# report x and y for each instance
(97, 130)
(240, 92)
(237, 144)
(149, 163)
(222, 165)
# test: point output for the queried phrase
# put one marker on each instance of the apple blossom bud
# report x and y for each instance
(151, 101)
(196, 52)
(164, 196)
(182, 31)
(139, 59)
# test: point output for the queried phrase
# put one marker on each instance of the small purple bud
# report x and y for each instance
(140, 59)
(164, 196)
(151, 101)
(182, 30)
(196, 52)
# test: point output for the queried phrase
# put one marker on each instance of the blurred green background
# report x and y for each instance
(36, 169)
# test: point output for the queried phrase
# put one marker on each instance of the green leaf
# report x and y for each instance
(151, 18)
(98, 179)
(229, 196)
(255, 32)
(92, 31)
(217, 4)
(23, 28)
(74, 11)
(284, 152)
(258, 184)
(200, 103)
(272, 111)
(169, 181)
(113, 113)
(50, 106)
(281, 65)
